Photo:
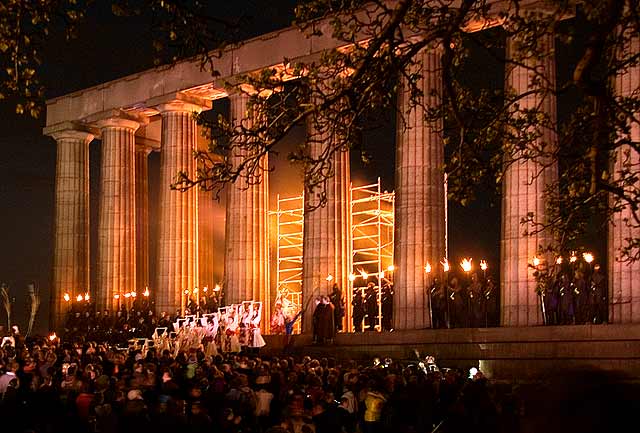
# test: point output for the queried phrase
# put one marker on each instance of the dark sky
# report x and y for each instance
(108, 48)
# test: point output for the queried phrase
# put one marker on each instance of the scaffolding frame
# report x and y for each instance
(289, 234)
(372, 226)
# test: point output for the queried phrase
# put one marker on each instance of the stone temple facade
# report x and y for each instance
(153, 111)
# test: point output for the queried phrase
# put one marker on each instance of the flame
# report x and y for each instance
(52, 336)
(216, 288)
(134, 293)
(536, 261)
(465, 264)
(329, 277)
(391, 268)
(445, 264)
(427, 268)
(352, 277)
(484, 265)
(79, 298)
(588, 257)
(364, 274)
(195, 290)
(66, 297)
(146, 292)
(86, 296)
(127, 295)
(559, 260)
(573, 257)
(116, 296)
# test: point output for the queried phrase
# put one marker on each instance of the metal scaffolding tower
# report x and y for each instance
(290, 227)
(372, 246)
(372, 216)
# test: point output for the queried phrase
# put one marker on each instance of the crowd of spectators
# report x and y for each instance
(82, 386)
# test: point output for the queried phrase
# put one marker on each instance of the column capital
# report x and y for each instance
(69, 131)
(117, 119)
(179, 102)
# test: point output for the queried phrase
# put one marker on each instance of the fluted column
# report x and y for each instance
(178, 225)
(71, 230)
(142, 216)
(246, 270)
(326, 247)
(205, 238)
(624, 277)
(419, 202)
(117, 220)
(523, 191)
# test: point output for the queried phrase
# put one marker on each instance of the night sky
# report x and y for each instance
(109, 48)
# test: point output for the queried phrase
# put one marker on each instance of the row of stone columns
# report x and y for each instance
(419, 220)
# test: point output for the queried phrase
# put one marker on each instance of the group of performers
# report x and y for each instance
(232, 329)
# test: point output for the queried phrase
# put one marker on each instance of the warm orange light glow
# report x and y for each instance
(206, 289)
(196, 290)
(381, 275)
(484, 265)
(352, 277)
(66, 297)
(364, 275)
(186, 291)
(559, 260)
(465, 264)
(588, 257)
(329, 277)
(391, 268)
(79, 298)
(134, 294)
(127, 295)
(146, 292)
(573, 258)
(86, 296)
(427, 268)
(116, 296)
(536, 262)
(52, 336)
(216, 288)
(445, 264)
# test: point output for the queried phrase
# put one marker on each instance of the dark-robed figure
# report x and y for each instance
(386, 301)
(371, 307)
(358, 310)
(338, 307)
(323, 326)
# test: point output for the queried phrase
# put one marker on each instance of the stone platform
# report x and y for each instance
(526, 353)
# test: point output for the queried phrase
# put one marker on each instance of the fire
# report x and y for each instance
(465, 264)
(445, 265)
(427, 268)
(483, 265)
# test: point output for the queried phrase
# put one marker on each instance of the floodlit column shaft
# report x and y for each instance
(624, 277)
(524, 186)
(142, 217)
(247, 233)
(327, 229)
(71, 229)
(117, 220)
(419, 202)
(178, 225)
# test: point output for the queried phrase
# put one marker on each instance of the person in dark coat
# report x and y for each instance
(438, 304)
(490, 303)
(598, 296)
(386, 302)
(565, 292)
(371, 307)
(458, 306)
(581, 298)
(338, 307)
(358, 310)
(325, 328)
(474, 300)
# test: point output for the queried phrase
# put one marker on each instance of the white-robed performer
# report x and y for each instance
(255, 335)
(232, 343)
(244, 323)
(211, 329)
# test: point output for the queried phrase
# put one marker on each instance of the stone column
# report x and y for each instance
(246, 271)
(205, 238)
(419, 203)
(142, 216)
(117, 221)
(624, 278)
(71, 229)
(524, 185)
(178, 225)
(326, 248)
